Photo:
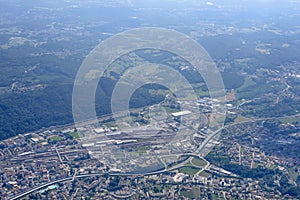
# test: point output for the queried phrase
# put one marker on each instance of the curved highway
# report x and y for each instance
(205, 142)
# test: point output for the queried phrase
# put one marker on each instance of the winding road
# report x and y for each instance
(200, 148)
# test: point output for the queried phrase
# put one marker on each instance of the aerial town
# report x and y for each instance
(61, 162)
(245, 147)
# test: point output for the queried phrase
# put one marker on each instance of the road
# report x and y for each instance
(201, 147)
(213, 135)
(71, 178)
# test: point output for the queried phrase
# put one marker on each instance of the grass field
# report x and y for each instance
(74, 135)
(189, 170)
(248, 82)
(120, 155)
(241, 118)
(290, 120)
(143, 149)
(56, 138)
(294, 175)
(198, 162)
(194, 193)
(204, 174)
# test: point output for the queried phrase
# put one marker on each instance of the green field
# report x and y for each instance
(56, 138)
(194, 193)
(241, 118)
(204, 174)
(120, 155)
(248, 82)
(171, 110)
(291, 120)
(198, 162)
(143, 149)
(74, 135)
(189, 170)
(294, 175)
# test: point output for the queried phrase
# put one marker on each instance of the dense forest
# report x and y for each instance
(30, 111)
(50, 105)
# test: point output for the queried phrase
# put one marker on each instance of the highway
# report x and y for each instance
(211, 136)
(201, 147)
(23, 194)
(79, 176)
